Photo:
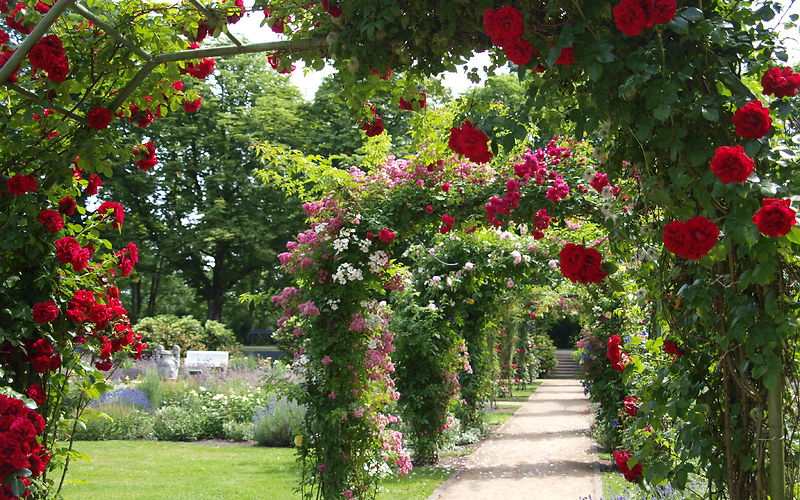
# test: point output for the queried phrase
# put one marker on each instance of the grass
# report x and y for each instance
(186, 471)
(522, 394)
(497, 418)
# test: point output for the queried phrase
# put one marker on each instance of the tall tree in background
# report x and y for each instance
(201, 213)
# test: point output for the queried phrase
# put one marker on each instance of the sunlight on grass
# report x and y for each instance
(186, 471)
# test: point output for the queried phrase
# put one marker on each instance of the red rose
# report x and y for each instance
(3, 37)
(119, 214)
(140, 117)
(385, 235)
(622, 457)
(237, 13)
(692, 239)
(59, 70)
(94, 182)
(373, 127)
(631, 404)
(19, 184)
(470, 142)
(630, 17)
(104, 366)
(662, 11)
(4, 57)
(16, 20)
(192, 106)
(703, 235)
(619, 360)
(731, 164)
(519, 51)
(780, 82)
(127, 257)
(448, 220)
(409, 105)
(565, 58)
(45, 312)
(503, 26)
(386, 76)
(52, 220)
(671, 347)
(335, 10)
(752, 121)
(200, 70)
(145, 156)
(775, 217)
(67, 206)
(66, 249)
(581, 264)
(99, 117)
(36, 393)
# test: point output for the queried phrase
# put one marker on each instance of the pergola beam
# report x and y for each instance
(38, 32)
(112, 32)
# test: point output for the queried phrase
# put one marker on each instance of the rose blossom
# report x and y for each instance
(503, 26)
(630, 17)
(99, 117)
(119, 214)
(519, 51)
(692, 239)
(780, 82)
(671, 347)
(622, 457)
(67, 206)
(385, 235)
(731, 164)
(45, 312)
(470, 142)
(52, 220)
(409, 105)
(581, 264)
(775, 217)
(752, 121)
(631, 404)
(192, 106)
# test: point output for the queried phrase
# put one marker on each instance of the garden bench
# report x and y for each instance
(196, 360)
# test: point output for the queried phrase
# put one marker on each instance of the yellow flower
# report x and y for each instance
(298, 440)
(608, 315)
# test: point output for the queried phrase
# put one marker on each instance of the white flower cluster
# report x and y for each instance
(346, 273)
(377, 260)
(320, 227)
(645, 255)
(333, 304)
(607, 209)
(588, 175)
(341, 244)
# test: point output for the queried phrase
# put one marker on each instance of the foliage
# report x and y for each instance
(187, 332)
(278, 422)
(543, 352)
(111, 421)
(176, 423)
(238, 431)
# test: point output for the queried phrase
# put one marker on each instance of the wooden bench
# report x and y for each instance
(197, 360)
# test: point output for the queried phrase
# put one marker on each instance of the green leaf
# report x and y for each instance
(794, 235)
(679, 25)
(662, 112)
(711, 114)
(693, 14)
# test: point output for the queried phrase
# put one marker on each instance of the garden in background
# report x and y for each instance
(630, 188)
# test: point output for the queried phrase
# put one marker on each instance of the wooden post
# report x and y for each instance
(777, 483)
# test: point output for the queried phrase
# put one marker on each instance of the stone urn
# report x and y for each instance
(168, 362)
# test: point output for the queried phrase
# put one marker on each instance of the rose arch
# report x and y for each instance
(693, 111)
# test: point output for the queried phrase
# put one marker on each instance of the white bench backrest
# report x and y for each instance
(214, 359)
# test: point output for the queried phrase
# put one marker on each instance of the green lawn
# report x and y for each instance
(524, 394)
(153, 470)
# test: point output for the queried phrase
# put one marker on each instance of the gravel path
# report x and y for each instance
(541, 452)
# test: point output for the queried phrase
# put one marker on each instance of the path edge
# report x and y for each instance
(452, 477)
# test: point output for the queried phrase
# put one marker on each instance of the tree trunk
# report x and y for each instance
(154, 287)
(136, 300)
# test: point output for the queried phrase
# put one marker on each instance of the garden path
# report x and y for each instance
(542, 452)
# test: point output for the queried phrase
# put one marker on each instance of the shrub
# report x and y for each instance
(129, 397)
(238, 431)
(116, 420)
(188, 333)
(277, 422)
(174, 423)
(545, 351)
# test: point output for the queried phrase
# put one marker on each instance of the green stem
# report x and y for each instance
(775, 420)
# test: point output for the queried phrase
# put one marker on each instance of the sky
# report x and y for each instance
(309, 81)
